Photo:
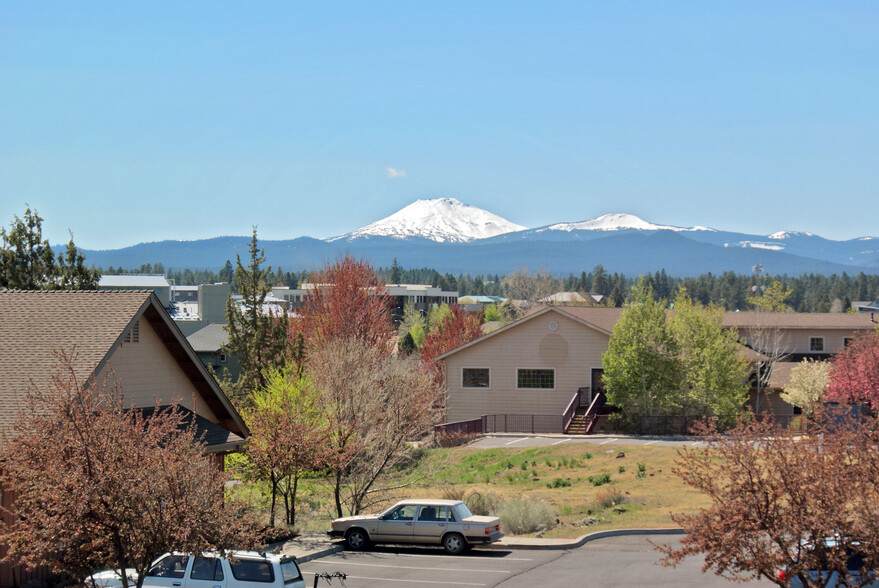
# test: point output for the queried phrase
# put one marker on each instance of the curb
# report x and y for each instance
(335, 548)
(584, 539)
(532, 545)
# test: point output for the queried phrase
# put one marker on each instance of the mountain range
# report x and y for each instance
(456, 238)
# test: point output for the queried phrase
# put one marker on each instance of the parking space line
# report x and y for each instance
(651, 442)
(517, 440)
(562, 441)
(608, 441)
(369, 565)
(411, 581)
(445, 556)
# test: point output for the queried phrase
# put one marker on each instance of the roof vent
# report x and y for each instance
(133, 334)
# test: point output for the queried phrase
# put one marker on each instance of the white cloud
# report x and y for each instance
(394, 173)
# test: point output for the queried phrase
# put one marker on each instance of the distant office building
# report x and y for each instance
(157, 283)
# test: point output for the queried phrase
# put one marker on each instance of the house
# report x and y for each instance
(208, 343)
(126, 335)
(537, 364)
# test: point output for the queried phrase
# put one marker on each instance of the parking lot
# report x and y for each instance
(616, 561)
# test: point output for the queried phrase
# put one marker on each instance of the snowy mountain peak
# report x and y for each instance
(444, 220)
(617, 222)
(789, 234)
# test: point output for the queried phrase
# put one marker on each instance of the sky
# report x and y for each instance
(127, 122)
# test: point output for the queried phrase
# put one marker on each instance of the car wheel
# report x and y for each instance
(454, 544)
(356, 539)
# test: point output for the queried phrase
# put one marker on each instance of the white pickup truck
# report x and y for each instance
(239, 569)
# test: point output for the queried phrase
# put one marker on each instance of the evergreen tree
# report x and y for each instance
(28, 263)
(395, 272)
(257, 338)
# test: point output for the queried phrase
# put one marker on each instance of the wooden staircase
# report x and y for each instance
(584, 419)
(578, 423)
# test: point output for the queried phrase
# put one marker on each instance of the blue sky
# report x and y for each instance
(129, 122)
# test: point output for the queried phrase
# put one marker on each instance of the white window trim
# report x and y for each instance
(535, 368)
(823, 345)
(475, 367)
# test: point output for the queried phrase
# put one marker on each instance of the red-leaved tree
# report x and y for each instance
(783, 503)
(98, 484)
(855, 373)
(456, 328)
(347, 301)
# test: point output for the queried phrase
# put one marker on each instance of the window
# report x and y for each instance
(222, 358)
(435, 514)
(846, 341)
(206, 568)
(476, 378)
(536, 378)
(290, 571)
(401, 513)
(173, 566)
(252, 570)
(816, 343)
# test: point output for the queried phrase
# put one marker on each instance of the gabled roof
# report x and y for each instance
(600, 319)
(36, 324)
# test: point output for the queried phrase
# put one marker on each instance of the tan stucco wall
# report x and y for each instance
(147, 371)
(797, 340)
(573, 350)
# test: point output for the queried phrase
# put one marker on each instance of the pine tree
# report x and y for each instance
(257, 338)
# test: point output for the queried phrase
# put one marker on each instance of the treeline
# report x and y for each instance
(730, 290)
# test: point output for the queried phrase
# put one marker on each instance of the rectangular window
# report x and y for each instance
(846, 341)
(476, 377)
(249, 570)
(816, 343)
(222, 358)
(206, 568)
(536, 378)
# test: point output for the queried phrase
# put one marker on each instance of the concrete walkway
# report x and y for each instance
(309, 546)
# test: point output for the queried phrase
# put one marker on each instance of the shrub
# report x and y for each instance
(452, 493)
(600, 479)
(642, 469)
(482, 504)
(610, 497)
(587, 455)
(524, 465)
(520, 516)
(559, 483)
(622, 469)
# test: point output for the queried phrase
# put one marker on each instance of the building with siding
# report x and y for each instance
(536, 364)
(124, 335)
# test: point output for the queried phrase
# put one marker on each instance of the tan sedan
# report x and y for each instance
(426, 521)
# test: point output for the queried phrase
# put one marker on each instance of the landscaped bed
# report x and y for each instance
(567, 490)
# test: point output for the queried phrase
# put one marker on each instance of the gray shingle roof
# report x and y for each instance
(35, 325)
(209, 338)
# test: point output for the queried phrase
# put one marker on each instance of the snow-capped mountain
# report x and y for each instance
(616, 222)
(444, 220)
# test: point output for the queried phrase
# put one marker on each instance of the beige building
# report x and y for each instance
(127, 336)
(537, 364)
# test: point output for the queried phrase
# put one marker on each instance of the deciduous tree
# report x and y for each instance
(713, 369)
(641, 368)
(780, 500)
(97, 484)
(347, 301)
(454, 329)
(288, 436)
(854, 376)
(807, 383)
(373, 404)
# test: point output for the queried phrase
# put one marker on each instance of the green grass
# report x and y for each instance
(564, 477)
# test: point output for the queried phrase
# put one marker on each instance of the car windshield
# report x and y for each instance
(463, 511)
